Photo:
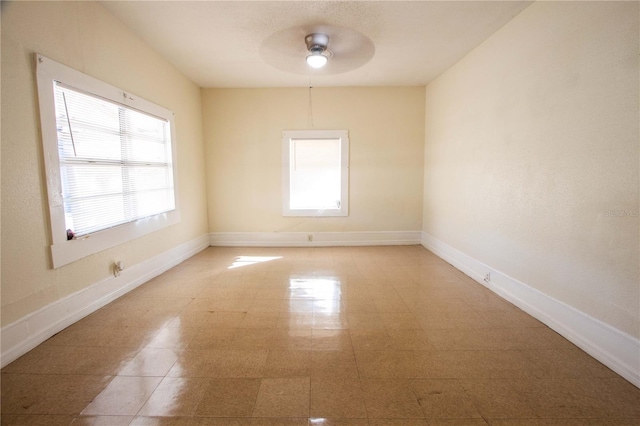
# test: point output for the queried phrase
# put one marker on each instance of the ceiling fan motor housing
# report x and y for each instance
(317, 43)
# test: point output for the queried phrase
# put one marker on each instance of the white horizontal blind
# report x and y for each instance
(115, 162)
(315, 168)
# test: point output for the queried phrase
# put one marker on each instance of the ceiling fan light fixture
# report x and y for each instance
(317, 60)
(317, 47)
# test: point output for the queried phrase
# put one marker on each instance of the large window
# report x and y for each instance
(109, 158)
(315, 173)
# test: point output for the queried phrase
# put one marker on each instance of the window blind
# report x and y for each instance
(115, 162)
(315, 168)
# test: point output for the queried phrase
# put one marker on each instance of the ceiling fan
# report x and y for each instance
(317, 46)
(305, 49)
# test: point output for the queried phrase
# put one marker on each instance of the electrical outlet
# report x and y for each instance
(118, 267)
(309, 237)
(487, 277)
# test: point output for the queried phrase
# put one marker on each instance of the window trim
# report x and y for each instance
(65, 251)
(343, 135)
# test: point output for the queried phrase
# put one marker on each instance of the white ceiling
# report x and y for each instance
(261, 43)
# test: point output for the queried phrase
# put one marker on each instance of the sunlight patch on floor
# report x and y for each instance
(251, 260)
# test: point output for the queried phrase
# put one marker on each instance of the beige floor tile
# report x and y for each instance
(259, 320)
(424, 343)
(391, 304)
(619, 397)
(561, 398)
(126, 317)
(105, 336)
(295, 320)
(449, 305)
(498, 399)
(328, 306)
(534, 338)
(266, 305)
(229, 398)
(467, 340)
(36, 420)
(175, 397)
(400, 364)
(284, 421)
(371, 340)
(593, 422)
(488, 302)
(283, 398)
(444, 398)
(252, 338)
(49, 394)
(213, 338)
(331, 340)
(150, 362)
(365, 321)
(297, 305)
(102, 421)
(329, 321)
(164, 421)
(180, 289)
(337, 398)
(208, 319)
(287, 363)
(381, 290)
(321, 421)
(222, 305)
(333, 364)
(221, 421)
(228, 293)
(397, 422)
(291, 339)
(384, 365)
(429, 364)
(490, 364)
(72, 360)
(176, 338)
(584, 397)
(400, 321)
(219, 363)
(510, 319)
(141, 303)
(435, 320)
(410, 340)
(568, 363)
(354, 305)
(299, 293)
(391, 399)
(472, 320)
(271, 294)
(123, 396)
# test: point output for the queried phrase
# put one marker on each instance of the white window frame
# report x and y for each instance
(65, 251)
(343, 136)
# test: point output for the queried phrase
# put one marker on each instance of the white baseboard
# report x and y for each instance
(318, 239)
(25, 334)
(612, 347)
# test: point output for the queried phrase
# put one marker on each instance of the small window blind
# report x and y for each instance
(115, 162)
(315, 168)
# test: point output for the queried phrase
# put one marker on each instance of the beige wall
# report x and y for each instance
(531, 140)
(85, 37)
(243, 137)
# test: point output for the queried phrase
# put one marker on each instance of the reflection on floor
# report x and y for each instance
(312, 336)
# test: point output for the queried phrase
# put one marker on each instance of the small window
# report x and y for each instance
(315, 173)
(109, 159)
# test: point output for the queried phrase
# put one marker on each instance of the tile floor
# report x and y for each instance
(312, 336)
